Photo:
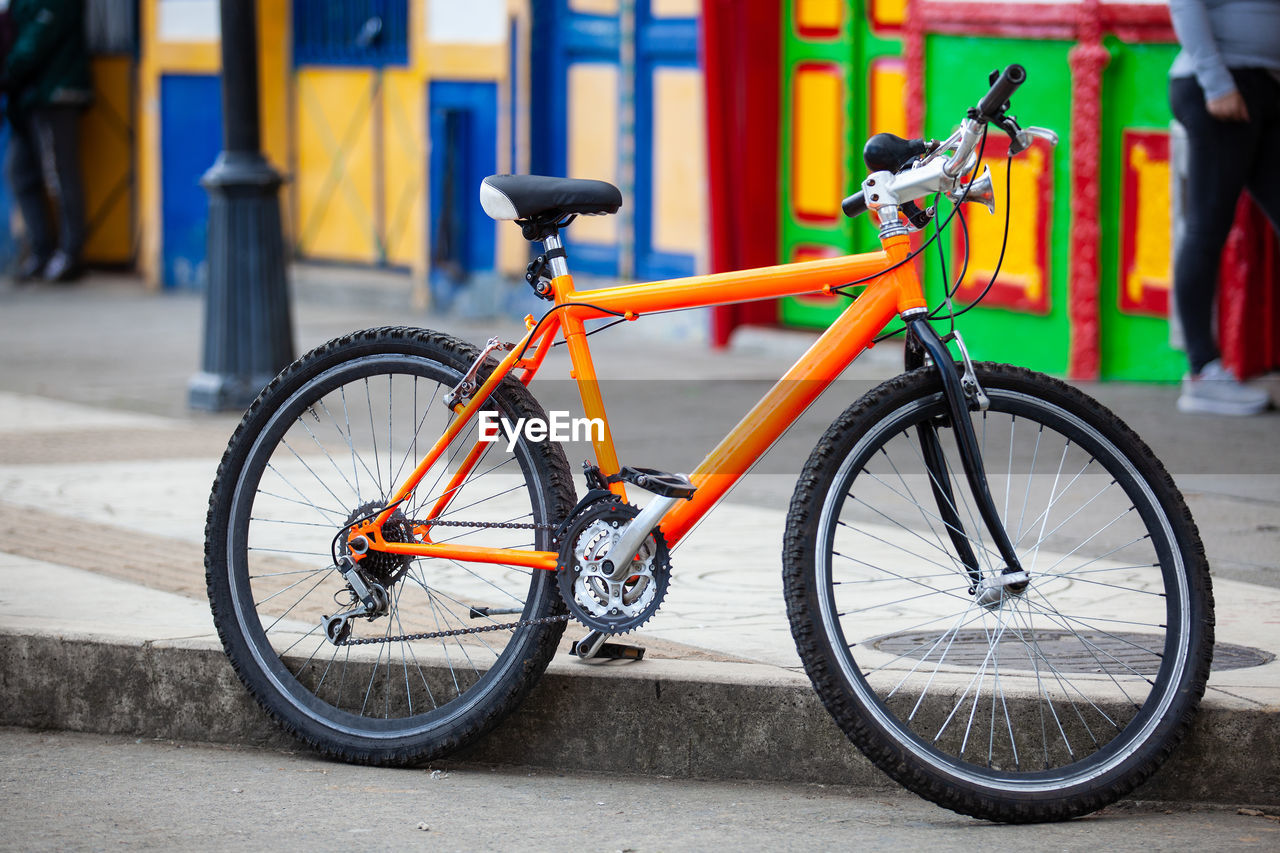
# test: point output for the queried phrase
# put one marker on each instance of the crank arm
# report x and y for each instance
(966, 440)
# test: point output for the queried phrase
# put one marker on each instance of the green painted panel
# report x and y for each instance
(1136, 95)
(955, 79)
(853, 50)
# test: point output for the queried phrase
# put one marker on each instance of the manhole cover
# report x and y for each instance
(1067, 651)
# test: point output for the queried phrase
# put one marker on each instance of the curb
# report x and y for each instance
(668, 718)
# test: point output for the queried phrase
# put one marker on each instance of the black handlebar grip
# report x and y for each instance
(854, 205)
(1008, 82)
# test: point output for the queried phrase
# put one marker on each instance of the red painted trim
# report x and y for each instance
(913, 54)
(1154, 301)
(742, 53)
(1006, 292)
(880, 26)
(1138, 22)
(1087, 60)
(815, 33)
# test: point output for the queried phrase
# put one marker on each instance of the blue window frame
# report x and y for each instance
(354, 32)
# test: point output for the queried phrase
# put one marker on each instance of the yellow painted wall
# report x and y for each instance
(352, 143)
(889, 97)
(675, 8)
(1021, 264)
(819, 14)
(404, 158)
(817, 159)
(107, 162)
(679, 162)
(1153, 253)
(593, 140)
(335, 163)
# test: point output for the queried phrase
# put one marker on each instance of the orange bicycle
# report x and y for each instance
(995, 588)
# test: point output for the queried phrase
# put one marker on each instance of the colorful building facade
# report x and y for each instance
(384, 116)
(1084, 285)
(733, 127)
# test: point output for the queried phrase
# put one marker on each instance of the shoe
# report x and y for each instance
(1215, 391)
(31, 268)
(61, 268)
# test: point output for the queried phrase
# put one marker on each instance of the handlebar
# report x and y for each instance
(993, 103)
(855, 205)
(961, 144)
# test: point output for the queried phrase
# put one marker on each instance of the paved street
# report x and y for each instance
(96, 444)
(73, 791)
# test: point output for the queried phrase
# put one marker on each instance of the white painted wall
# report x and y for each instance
(467, 21)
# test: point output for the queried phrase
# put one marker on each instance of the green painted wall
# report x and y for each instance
(854, 49)
(1135, 95)
(1136, 87)
(955, 78)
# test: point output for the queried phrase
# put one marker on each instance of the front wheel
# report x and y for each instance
(1006, 702)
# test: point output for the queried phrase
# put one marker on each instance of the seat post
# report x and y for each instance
(556, 261)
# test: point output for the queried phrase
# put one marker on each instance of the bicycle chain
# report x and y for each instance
(480, 629)
(499, 525)
(457, 632)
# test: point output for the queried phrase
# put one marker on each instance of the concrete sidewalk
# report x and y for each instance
(106, 628)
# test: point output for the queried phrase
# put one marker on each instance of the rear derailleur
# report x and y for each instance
(368, 599)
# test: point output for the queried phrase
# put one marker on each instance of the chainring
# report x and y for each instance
(602, 603)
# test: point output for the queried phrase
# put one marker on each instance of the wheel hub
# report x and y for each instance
(379, 566)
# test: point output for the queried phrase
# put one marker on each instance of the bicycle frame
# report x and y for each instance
(893, 288)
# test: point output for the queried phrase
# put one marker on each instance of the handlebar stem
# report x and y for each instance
(958, 163)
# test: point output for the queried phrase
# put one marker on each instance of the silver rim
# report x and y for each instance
(1054, 687)
(345, 449)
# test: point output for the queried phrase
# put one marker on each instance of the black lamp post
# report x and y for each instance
(248, 334)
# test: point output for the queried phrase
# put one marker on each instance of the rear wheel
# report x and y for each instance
(1004, 703)
(456, 645)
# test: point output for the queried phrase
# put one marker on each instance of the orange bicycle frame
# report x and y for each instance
(894, 287)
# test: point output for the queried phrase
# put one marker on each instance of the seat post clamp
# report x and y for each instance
(536, 272)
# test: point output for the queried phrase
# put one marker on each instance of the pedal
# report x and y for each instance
(657, 482)
(594, 647)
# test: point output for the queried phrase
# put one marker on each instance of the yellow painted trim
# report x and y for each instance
(817, 161)
(888, 97)
(1152, 253)
(467, 62)
(819, 14)
(197, 57)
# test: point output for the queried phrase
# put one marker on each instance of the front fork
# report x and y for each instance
(923, 340)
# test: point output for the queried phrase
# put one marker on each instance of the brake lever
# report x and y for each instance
(1022, 138)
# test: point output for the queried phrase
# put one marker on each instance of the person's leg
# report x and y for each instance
(58, 135)
(22, 167)
(1217, 167)
(1263, 100)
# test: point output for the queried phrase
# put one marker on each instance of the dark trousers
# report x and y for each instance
(44, 163)
(1225, 158)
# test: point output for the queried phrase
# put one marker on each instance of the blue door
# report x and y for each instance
(463, 127)
(575, 55)
(666, 63)
(190, 140)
